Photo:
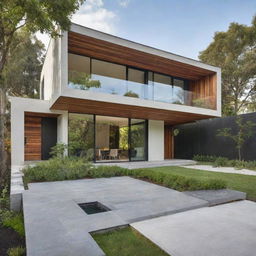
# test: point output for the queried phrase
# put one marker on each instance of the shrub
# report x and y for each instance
(204, 158)
(17, 251)
(57, 169)
(220, 161)
(76, 168)
(4, 198)
(13, 220)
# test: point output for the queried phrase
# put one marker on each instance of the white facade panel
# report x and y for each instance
(155, 140)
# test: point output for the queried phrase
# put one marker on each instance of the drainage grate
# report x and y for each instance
(94, 207)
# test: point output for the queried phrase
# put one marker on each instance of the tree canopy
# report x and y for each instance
(22, 71)
(235, 52)
(46, 16)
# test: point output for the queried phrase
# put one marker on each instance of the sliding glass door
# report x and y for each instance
(111, 136)
(138, 140)
(106, 138)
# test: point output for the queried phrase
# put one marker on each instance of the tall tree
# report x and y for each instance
(235, 52)
(22, 71)
(46, 16)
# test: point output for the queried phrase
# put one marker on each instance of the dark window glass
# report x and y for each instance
(81, 135)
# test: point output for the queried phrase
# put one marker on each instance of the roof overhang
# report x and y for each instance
(76, 105)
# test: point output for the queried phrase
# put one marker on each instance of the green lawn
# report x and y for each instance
(239, 182)
(127, 242)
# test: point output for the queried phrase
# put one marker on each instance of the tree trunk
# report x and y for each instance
(3, 167)
(239, 154)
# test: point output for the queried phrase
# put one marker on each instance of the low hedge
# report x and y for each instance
(75, 168)
(225, 162)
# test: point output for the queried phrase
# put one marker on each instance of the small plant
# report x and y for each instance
(204, 158)
(245, 131)
(131, 94)
(14, 221)
(220, 161)
(4, 198)
(59, 150)
(17, 251)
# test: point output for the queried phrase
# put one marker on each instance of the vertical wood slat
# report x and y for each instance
(205, 89)
(32, 138)
(168, 142)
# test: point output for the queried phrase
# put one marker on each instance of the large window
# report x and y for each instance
(112, 138)
(138, 135)
(105, 138)
(105, 77)
(81, 135)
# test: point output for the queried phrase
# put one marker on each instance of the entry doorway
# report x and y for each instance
(40, 135)
(168, 142)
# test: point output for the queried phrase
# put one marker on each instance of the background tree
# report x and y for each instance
(235, 52)
(46, 16)
(23, 69)
(245, 130)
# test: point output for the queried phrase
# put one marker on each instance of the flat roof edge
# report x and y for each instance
(141, 47)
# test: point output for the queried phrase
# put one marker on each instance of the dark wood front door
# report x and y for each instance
(168, 142)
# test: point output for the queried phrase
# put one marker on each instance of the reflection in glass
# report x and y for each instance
(162, 88)
(111, 138)
(81, 135)
(79, 73)
(138, 140)
(105, 77)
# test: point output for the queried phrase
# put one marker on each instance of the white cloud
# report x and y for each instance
(124, 3)
(93, 14)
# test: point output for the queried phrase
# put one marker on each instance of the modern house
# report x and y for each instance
(111, 99)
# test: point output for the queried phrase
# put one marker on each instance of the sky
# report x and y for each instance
(183, 27)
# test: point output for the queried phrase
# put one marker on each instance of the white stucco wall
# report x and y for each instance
(155, 140)
(18, 108)
(52, 69)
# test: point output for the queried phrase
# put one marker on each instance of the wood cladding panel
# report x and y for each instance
(100, 49)
(120, 110)
(33, 138)
(205, 89)
(168, 142)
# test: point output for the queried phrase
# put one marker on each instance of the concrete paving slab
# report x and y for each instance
(215, 197)
(53, 218)
(228, 229)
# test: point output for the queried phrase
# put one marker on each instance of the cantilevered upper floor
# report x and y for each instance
(87, 71)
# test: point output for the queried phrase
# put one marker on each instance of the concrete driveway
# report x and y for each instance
(228, 229)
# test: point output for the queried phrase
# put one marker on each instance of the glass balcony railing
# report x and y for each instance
(152, 91)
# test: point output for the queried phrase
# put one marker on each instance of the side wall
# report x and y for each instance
(200, 138)
(155, 140)
(18, 108)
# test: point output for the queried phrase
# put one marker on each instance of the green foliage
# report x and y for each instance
(201, 103)
(82, 81)
(58, 169)
(17, 251)
(204, 158)
(220, 161)
(12, 220)
(234, 51)
(126, 242)
(81, 136)
(245, 131)
(58, 151)
(23, 69)
(4, 198)
(131, 94)
(76, 168)
(225, 162)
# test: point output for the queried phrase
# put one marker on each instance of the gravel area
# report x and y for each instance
(221, 169)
